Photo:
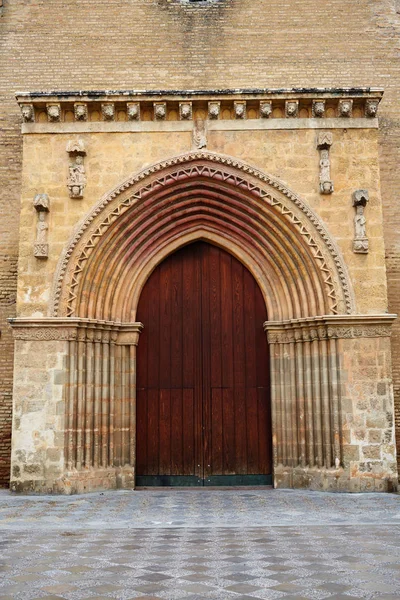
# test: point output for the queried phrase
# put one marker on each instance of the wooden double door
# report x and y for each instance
(203, 408)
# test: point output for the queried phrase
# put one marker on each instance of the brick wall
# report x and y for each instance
(125, 44)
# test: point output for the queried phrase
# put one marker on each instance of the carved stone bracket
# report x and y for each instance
(239, 109)
(371, 107)
(324, 142)
(108, 111)
(133, 111)
(28, 113)
(53, 112)
(77, 176)
(292, 108)
(265, 109)
(318, 108)
(214, 109)
(160, 111)
(80, 111)
(185, 111)
(41, 203)
(360, 243)
(345, 107)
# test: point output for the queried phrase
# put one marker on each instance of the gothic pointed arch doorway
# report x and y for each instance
(203, 393)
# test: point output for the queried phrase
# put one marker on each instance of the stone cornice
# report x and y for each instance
(329, 327)
(160, 106)
(75, 329)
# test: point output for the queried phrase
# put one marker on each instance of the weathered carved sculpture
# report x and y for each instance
(360, 244)
(54, 113)
(371, 107)
(28, 113)
(214, 108)
(240, 110)
(133, 111)
(185, 111)
(345, 108)
(265, 109)
(80, 111)
(292, 108)
(76, 177)
(108, 111)
(42, 205)
(160, 111)
(199, 134)
(318, 108)
(324, 142)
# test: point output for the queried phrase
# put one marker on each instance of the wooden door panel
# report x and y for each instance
(202, 376)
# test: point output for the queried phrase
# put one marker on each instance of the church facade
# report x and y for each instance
(203, 293)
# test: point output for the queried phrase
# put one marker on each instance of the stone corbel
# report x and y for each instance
(324, 142)
(371, 107)
(345, 108)
(185, 111)
(28, 113)
(41, 203)
(53, 112)
(292, 109)
(133, 111)
(214, 109)
(77, 176)
(360, 243)
(318, 108)
(240, 109)
(80, 111)
(265, 109)
(160, 111)
(108, 111)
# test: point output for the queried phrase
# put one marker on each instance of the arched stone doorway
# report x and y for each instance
(203, 390)
(313, 329)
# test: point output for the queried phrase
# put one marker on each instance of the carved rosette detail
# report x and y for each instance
(239, 109)
(160, 111)
(28, 113)
(318, 108)
(191, 171)
(214, 109)
(185, 111)
(265, 109)
(80, 111)
(133, 111)
(108, 111)
(324, 142)
(53, 113)
(360, 243)
(292, 109)
(345, 108)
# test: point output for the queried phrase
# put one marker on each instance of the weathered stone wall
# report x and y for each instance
(159, 44)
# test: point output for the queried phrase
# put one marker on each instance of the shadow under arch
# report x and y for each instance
(195, 196)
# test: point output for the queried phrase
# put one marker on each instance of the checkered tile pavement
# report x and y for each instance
(273, 560)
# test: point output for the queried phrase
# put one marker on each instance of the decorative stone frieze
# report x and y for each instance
(199, 134)
(160, 111)
(345, 108)
(108, 111)
(360, 243)
(185, 111)
(133, 111)
(265, 109)
(28, 113)
(292, 108)
(239, 108)
(41, 203)
(318, 108)
(53, 113)
(324, 142)
(371, 107)
(80, 111)
(214, 109)
(76, 171)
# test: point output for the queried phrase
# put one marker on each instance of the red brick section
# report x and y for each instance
(152, 44)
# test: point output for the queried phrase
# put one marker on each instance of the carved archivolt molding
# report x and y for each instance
(327, 258)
